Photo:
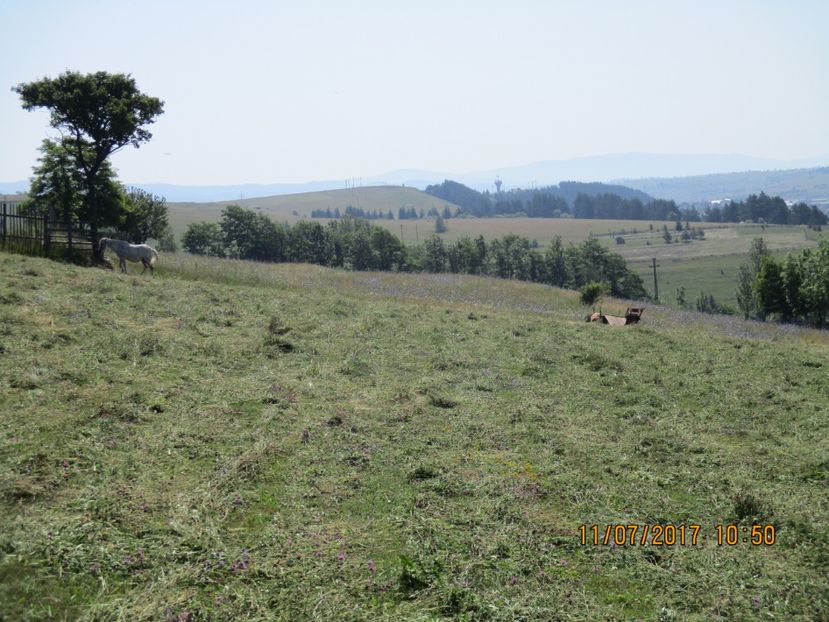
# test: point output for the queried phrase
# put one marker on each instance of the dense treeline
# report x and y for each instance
(576, 199)
(763, 208)
(612, 206)
(597, 200)
(470, 201)
(359, 245)
(795, 289)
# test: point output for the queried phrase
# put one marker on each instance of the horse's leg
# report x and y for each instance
(123, 263)
(144, 262)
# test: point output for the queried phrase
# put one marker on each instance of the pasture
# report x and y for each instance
(238, 441)
(708, 264)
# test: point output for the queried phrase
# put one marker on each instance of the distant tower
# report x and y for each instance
(498, 184)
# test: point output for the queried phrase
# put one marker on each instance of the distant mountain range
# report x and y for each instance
(810, 185)
(644, 171)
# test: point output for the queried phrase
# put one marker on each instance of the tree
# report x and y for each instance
(792, 282)
(58, 182)
(556, 264)
(747, 300)
(815, 284)
(706, 303)
(240, 227)
(100, 113)
(145, 216)
(770, 292)
(435, 251)
(756, 253)
(440, 224)
(204, 238)
(387, 250)
(745, 291)
(167, 241)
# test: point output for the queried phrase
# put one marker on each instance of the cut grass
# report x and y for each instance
(426, 449)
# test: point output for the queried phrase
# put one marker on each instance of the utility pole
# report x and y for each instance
(655, 283)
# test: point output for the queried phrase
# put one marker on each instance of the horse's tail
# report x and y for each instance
(154, 258)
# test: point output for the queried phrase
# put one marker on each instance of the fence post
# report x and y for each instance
(46, 239)
(4, 224)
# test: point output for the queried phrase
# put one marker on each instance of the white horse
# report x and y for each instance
(147, 255)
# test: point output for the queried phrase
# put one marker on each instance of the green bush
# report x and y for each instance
(593, 292)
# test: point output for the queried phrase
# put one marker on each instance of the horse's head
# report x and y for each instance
(102, 244)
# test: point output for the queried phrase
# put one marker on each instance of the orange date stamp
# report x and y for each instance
(681, 534)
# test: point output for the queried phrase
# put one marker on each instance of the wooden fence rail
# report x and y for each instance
(41, 235)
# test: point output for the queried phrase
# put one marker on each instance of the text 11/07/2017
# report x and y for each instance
(671, 535)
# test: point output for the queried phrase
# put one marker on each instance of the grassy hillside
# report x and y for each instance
(291, 207)
(234, 441)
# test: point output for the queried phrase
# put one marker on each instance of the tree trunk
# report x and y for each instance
(91, 180)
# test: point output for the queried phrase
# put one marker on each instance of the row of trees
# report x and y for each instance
(795, 289)
(355, 212)
(403, 213)
(359, 245)
(763, 208)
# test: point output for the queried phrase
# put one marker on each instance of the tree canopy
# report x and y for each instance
(97, 114)
(101, 110)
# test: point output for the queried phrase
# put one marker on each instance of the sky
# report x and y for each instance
(265, 92)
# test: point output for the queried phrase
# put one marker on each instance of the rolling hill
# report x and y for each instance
(292, 207)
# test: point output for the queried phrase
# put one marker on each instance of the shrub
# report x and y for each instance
(593, 292)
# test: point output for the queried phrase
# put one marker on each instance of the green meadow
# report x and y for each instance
(709, 264)
(238, 441)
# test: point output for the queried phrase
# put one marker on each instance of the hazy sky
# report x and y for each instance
(290, 92)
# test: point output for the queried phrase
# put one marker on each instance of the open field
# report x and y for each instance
(708, 264)
(543, 230)
(715, 275)
(722, 240)
(292, 207)
(238, 441)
